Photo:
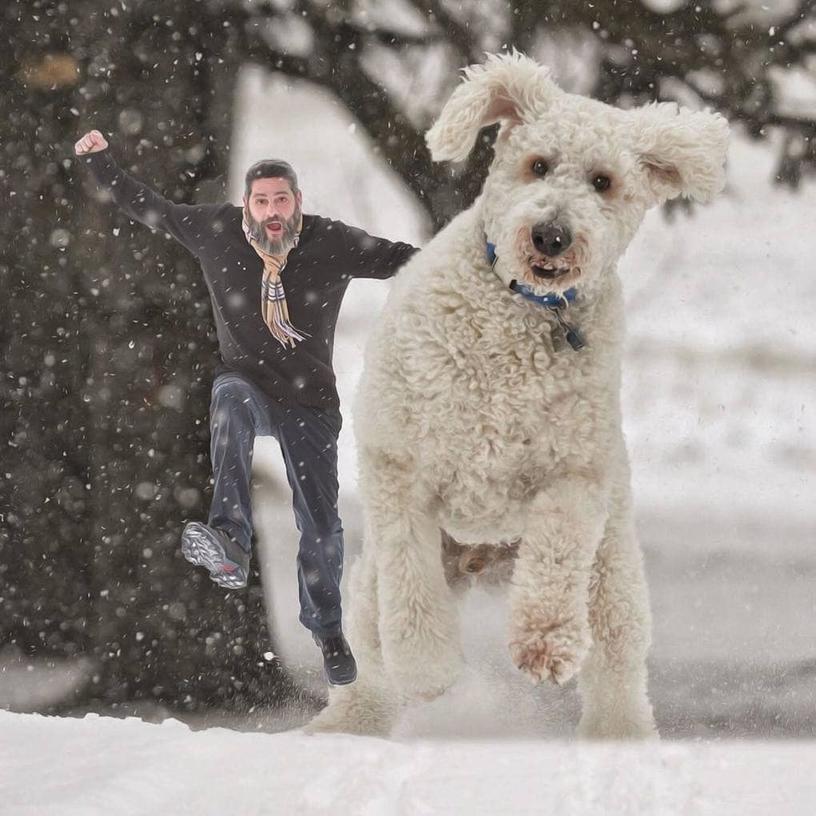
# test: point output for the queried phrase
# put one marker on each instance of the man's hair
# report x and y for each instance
(270, 168)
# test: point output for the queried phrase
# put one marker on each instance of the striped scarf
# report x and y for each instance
(274, 310)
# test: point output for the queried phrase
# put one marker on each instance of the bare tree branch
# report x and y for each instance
(458, 35)
(640, 49)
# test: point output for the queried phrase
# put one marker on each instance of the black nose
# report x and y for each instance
(551, 239)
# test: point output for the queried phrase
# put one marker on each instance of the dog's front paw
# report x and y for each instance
(636, 723)
(367, 712)
(553, 652)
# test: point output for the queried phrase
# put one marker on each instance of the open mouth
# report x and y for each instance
(550, 272)
(274, 228)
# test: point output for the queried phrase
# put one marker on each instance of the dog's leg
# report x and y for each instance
(418, 617)
(419, 629)
(613, 679)
(549, 619)
(369, 705)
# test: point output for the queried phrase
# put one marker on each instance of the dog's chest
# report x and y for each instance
(509, 407)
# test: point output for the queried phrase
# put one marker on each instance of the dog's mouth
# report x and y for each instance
(556, 271)
(549, 273)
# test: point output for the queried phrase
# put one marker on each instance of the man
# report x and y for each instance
(276, 279)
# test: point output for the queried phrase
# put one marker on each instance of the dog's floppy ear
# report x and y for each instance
(507, 87)
(682, 151)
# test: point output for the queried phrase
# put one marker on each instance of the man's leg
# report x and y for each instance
(308, 440)
(236, 417)
(223, 545)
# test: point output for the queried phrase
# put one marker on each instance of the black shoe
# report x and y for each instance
(338, 661)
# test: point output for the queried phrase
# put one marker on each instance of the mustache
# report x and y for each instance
(287, 227)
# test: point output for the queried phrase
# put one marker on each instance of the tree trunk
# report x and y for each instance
(44, 466)
(109, 325)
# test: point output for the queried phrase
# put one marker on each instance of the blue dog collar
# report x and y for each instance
(551, 300)
(556, 303)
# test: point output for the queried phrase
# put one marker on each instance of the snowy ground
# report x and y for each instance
(71, 767)
(719, 388)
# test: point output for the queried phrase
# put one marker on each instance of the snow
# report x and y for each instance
(98, 765)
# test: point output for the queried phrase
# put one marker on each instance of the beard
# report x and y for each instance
(282, 244)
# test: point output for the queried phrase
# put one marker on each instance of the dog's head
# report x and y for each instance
(572, 177)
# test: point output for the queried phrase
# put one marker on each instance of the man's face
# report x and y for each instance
(273, 214)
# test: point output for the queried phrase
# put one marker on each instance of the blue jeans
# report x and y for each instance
(240, 411)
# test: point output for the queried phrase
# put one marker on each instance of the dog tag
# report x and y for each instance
(571, 333)
(557, 337)
(574, 337)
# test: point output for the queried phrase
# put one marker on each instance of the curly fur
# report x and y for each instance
(470, 421)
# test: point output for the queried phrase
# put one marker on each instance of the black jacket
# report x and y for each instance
(315, 277)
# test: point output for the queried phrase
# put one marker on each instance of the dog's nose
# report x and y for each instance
(551, 239)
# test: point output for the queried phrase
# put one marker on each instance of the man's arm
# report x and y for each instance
(185, 222)
(370, 257)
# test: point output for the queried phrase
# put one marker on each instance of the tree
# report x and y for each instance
(44, 522)
(109, 351)
(731, 56)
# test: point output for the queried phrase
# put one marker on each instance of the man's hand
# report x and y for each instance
(91, 142)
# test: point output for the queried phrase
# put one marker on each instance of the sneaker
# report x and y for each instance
(338, 661)
(227, 561)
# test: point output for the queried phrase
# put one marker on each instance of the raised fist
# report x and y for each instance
(91, 142)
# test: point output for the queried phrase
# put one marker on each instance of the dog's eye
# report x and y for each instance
(601, 183)
(539, 167)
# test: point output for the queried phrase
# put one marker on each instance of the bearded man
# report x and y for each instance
(276, 279)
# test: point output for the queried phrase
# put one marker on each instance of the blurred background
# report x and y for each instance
(108, 347)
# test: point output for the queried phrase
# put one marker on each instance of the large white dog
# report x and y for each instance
(490, 409)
